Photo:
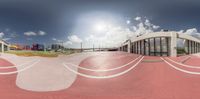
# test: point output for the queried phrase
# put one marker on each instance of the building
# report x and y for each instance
(15, 47)
(38, 47)
(27, 47)
(56, 47)
(160, 44)
(4, 46)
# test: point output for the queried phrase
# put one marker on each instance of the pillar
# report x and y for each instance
(137, 47)
(2, 47)
(144, 45)
(129, 46)
(140, 47)
(186, 47)
(154, 46)
(167, 45)
(173, 43)
(161, 52)
(190, 47)
(149, 46)
(194, 47)
(134, 47)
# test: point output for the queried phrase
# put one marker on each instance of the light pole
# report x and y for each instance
(81, 47)
(45, 47)
(62, 46)
(93, 47)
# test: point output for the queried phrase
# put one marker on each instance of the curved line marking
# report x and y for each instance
(184, 65)
(103, 77)
(179, 69)
(21, 70)
(17, 65)
(105, 70)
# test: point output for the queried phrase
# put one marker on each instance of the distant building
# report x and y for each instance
(56, 47)
(16, 47)
(27, 47)
(37, 47)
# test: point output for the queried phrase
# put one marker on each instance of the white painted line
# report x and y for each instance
(184, 65)
(21, 70)
(104, 70)
(179, 69)
(7, 67)
(103, 77)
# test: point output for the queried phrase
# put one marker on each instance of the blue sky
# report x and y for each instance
(75, 21)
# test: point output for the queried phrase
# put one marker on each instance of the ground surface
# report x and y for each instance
(152, 78)
(33, 53)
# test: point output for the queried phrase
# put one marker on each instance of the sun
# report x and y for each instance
(100, 26)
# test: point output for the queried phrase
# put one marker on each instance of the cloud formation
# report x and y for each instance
(57, 40)
(6, 39)
(1, 35)
(144, 27)
(71, 40)
(117, 34)
(67, 43)
(74, 39)
(138, 18)
(31, 33)
(193, 32)
(41, 33)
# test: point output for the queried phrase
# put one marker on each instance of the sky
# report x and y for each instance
(105, 23)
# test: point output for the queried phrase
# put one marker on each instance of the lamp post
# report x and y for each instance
(81, 47)
(45, 47)
(93, 47)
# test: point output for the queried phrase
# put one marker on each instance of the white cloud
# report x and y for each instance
(156, 27)
(128, 22)
(193, 32)
(137, 18)
(147, 22)
(13, 35)
(1, 35)
(30, 33)
(144, 27)
(6, 39)
(54, 39)
(74, 39)
(57, 40)
(181, 31)
(42, 33)
(115, 34)
(67, 43)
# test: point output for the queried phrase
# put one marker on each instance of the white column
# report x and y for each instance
(186, 46)
(173, 47)
(2, 47)
(129, 46)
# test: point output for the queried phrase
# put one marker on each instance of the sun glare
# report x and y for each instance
(100, 26)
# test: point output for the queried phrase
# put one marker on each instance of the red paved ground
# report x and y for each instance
(193, 61)
(149, 80)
